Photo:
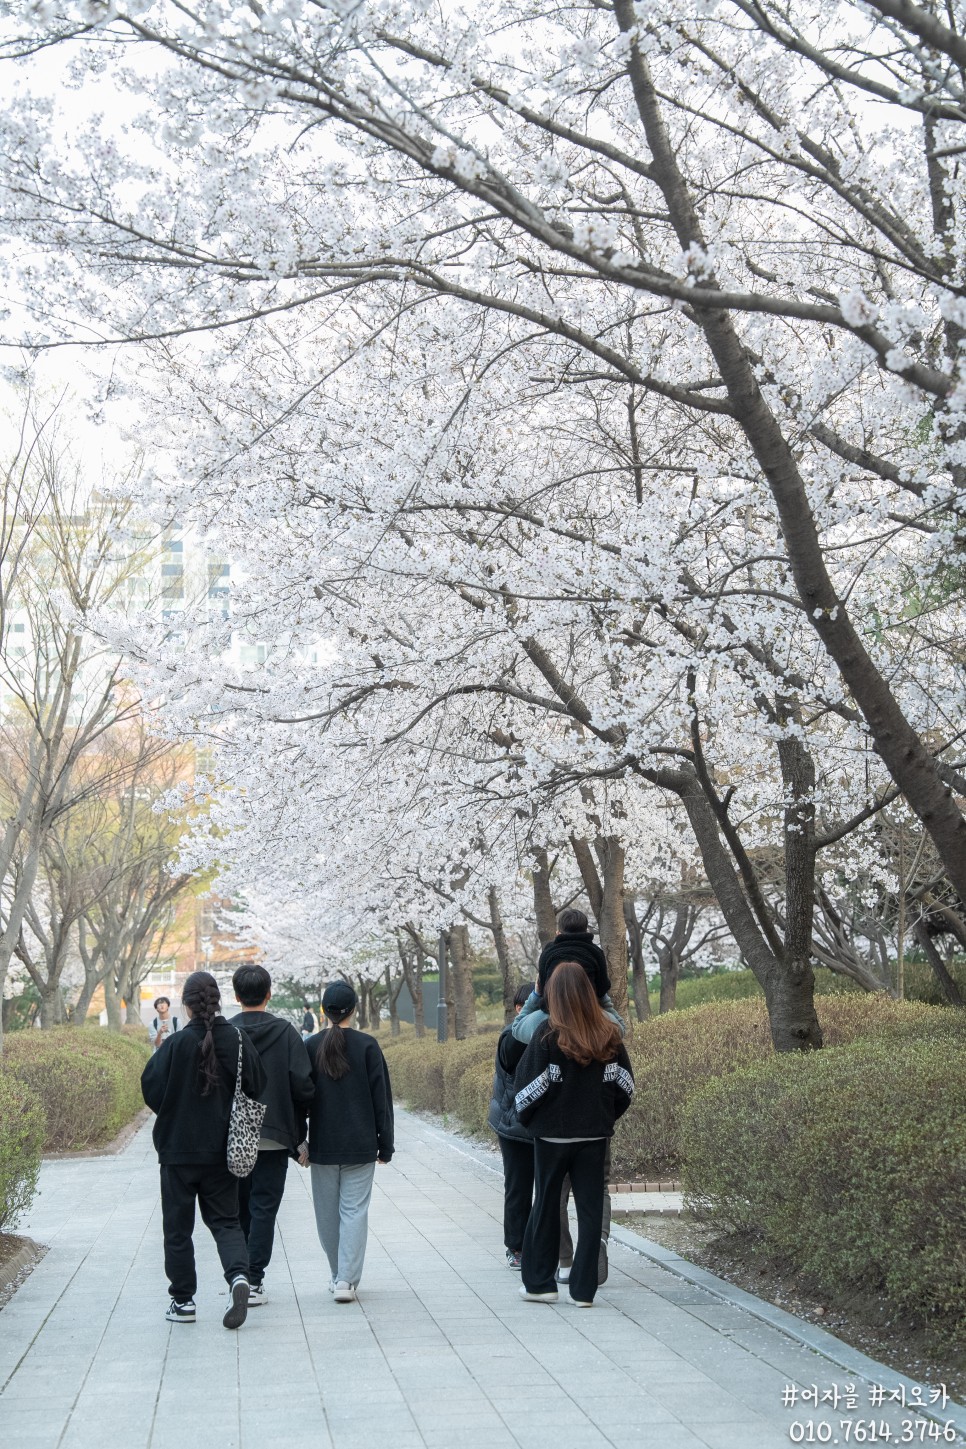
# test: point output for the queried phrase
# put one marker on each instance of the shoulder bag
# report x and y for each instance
(244, 1125)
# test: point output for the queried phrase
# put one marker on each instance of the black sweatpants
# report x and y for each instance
(216, 1191)
(517, 1189)
(584, 1161)
(259, 1199)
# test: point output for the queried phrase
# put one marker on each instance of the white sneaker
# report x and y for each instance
(257, 1295)
(563, 1274)
(344, 1293)
(238, 1307)
(181, 1312)
(538, 1297)
(331, 1285)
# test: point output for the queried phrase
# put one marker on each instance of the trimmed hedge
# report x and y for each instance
(849, 1165)
(675, 1054)
(428, 1074)
(920, 985)
(22, 1128)
(87, 1080)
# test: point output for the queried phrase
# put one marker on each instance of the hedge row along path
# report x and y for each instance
(440, 1351)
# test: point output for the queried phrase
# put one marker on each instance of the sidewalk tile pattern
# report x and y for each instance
(439, 1352)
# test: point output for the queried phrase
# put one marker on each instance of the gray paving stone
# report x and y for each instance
(439, 1352)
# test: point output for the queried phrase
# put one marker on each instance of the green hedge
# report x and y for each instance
(675, 1054)
(849, 1165)
(920, 985)
(22, 1128)
(428, 1074)
(87, 1080)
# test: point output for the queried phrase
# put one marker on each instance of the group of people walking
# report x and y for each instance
(562, 1079)
(328, 1104)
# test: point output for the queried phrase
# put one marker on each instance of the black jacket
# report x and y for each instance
(289, 1087)
(191, 1128)
(350, 1119)
(502, 1115)
(556, 1097)
(576, 946)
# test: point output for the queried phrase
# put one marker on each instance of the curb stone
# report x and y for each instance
(25, 1257)
(819, 1340)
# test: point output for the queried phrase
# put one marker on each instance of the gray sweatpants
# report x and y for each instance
(341, 1192)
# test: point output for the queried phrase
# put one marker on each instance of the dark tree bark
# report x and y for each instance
(542, 899)
(947, 983)
(605, 892)
(462, 978)
(635, 941)
(503, 955)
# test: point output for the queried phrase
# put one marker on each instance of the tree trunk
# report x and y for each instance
(635, 938)
(83, 1005)
(49, 1008)
(362, 1016)
(947, 983)
(393, 999)
(112, 1005)
(542, 898)
(462, 977)
(503, 955)
(793, 1022)
(798, 777)
(670, 966)
(613, 929)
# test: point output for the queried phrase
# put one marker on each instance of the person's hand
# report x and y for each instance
(382, 1161)
(303, 1157)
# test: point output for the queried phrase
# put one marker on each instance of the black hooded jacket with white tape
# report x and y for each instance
(557, 1097)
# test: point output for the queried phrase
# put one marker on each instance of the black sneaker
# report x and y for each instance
(238, 1307)
(513, 1259)
(602, 1263)
(181, 1312)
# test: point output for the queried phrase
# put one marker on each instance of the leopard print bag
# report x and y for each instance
(244, 1125)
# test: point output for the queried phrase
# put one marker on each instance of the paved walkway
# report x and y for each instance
(440, 1350)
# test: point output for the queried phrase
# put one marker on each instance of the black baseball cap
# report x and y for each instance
(339, 999)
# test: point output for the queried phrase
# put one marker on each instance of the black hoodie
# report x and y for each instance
(289, 1088)
(350, 1119)
(192, 1128)
(578, 946)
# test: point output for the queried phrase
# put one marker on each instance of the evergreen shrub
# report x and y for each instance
(675, 1054)
(22, 1128)
(849, 1165)
(473, 1101)
(88, 1081)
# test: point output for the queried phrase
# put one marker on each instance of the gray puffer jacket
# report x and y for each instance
(502, 1115)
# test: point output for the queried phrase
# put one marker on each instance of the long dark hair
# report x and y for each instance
(202, 997)
(331, 1054)
(584, 1032)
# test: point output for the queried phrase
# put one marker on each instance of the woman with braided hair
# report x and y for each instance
(190, 1083)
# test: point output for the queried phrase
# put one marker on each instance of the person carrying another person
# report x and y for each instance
(288, 1091)
(191, 1085)
(574, 941)
(573, 1082)
(164, 1024)
(350, 1129)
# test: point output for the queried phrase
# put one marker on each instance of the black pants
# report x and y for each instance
(553, 1161)
(259, 1199)
(566, 1244)
(517, 1189)
(217, 1194)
